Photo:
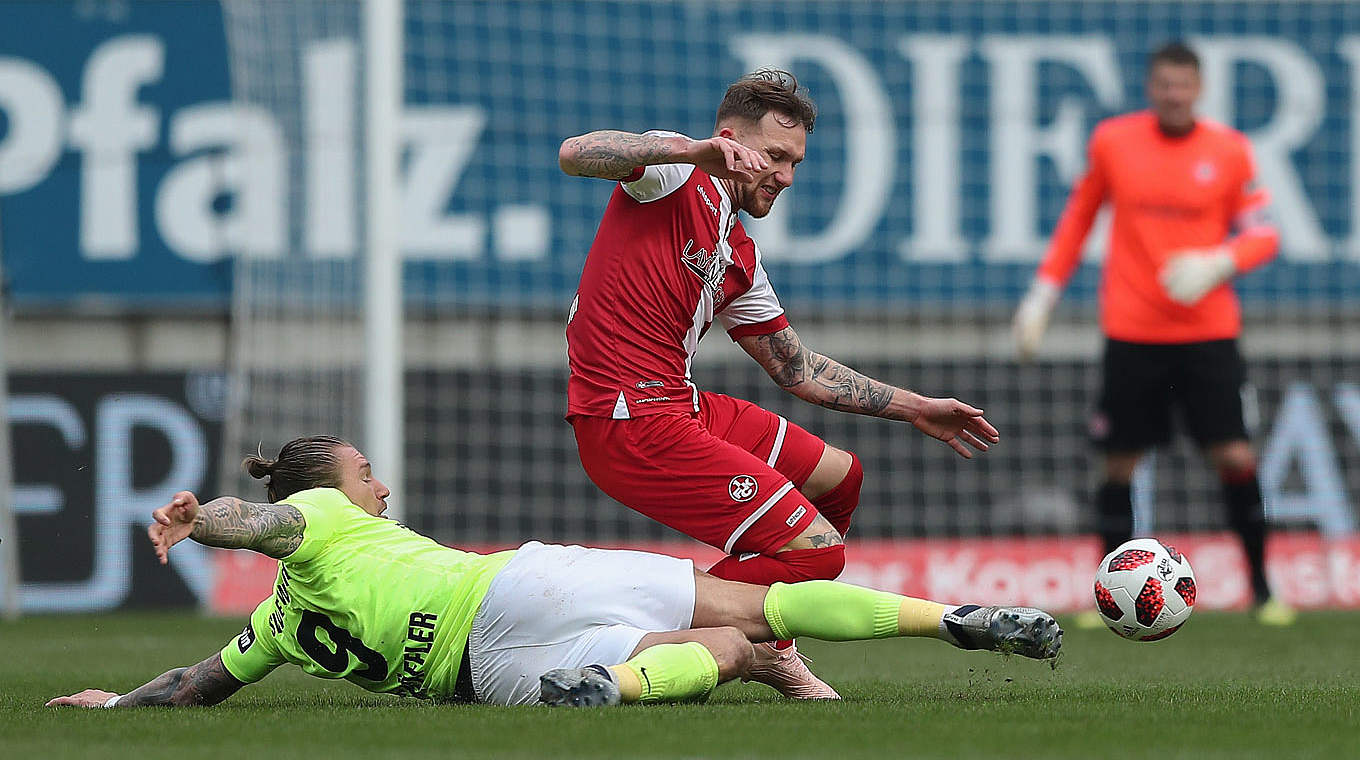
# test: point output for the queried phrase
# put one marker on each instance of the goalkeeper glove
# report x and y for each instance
(1190, 274)
(1031, 318)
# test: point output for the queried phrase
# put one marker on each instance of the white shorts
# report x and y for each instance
(569, 606)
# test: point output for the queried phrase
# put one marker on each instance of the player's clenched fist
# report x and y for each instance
(173, 523)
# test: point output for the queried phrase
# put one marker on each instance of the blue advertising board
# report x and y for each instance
(88, 95)
(948, 136)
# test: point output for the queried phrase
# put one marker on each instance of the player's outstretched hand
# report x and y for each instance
(727, 159)
(957, 424)
(87, 698)
(174, 522)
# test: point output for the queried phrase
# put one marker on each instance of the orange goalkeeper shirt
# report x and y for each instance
(1169, 194)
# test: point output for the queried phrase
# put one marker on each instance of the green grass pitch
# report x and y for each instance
(1223, 687)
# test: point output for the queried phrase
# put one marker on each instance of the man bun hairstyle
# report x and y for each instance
(303, 463)
(1176, 53)
(760, 92)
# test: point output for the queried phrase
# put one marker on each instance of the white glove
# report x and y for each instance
(1190, 274)
(1031, 318)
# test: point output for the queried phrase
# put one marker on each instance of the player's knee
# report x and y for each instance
(831, 469)
(838, 504)
(821, 563)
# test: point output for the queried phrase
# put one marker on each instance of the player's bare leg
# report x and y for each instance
(778, 664)
(730, 616)
(830, 471)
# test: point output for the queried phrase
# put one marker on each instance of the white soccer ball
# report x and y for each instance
(1145, 590)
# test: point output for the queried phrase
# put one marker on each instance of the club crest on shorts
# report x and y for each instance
(742, 488)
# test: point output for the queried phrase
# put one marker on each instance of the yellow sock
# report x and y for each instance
(630, 688)
(834, 611)
(920, 617)
(667, 673)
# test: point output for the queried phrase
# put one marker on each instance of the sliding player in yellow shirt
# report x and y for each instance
(362, 597)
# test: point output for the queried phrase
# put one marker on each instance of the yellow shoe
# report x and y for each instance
(1088, 620)
(1275, 612)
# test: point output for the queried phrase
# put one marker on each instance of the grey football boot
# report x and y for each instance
(591, 686)
(1011, 630)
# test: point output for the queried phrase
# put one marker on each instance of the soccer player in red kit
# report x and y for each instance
(670, 256)
(1188, 216)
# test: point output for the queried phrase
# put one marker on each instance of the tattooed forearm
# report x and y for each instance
(206, 683)
(818, 379)
(613, 155)
(274, 530)
(843, 389)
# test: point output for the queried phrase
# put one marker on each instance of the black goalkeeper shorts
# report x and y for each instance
(1145, 385)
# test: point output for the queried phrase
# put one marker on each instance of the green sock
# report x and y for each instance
(673, 672)
(831, 611)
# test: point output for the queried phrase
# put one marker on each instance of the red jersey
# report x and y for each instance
(669, 257)
(1168, 194)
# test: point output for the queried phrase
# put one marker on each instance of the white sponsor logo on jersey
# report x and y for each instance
(707, 202)
(705, 264)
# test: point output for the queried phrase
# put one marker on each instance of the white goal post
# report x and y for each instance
(384, 396)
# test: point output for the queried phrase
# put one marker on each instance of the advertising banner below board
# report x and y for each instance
(1053, 573)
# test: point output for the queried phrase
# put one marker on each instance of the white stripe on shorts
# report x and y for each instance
(778, 442)
(756, 515)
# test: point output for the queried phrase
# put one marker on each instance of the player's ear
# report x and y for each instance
(725, 132)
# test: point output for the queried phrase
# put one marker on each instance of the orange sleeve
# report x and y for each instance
(1256, 239)
(1064, 249)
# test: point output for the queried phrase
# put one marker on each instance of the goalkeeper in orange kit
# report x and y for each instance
(1188, 217)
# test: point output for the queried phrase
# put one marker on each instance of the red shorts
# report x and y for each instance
(728, 475)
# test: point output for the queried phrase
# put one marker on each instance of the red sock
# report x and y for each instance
(824, 563)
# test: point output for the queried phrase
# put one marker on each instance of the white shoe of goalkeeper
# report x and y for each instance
(786, 671)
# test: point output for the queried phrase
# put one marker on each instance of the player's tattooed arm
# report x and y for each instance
(826, 382)
(823, 381)
(274, 530)
(610, 154)
(206, 683)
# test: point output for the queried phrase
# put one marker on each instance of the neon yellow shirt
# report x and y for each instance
(366, 599)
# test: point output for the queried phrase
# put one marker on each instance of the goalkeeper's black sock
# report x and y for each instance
(1246, 514)
(1114, 507)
